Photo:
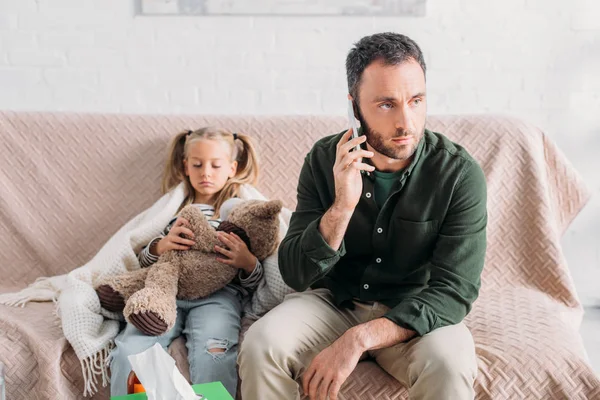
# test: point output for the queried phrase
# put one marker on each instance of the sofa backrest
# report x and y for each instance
(69, 181)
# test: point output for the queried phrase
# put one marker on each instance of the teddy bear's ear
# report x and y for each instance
(187, 212)
(267, 209)
(193, 215)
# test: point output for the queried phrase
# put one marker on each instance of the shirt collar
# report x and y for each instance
(417, 155)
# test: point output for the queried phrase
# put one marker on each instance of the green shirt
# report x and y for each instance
(421, 254)
(384, 183)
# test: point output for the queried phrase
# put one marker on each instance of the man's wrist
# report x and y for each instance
(341, 212)
(333, 226)
(360, 337)
(378, 333)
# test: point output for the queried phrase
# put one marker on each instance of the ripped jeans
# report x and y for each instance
(211, 326)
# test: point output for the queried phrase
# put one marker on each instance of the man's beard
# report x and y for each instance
(375, 139)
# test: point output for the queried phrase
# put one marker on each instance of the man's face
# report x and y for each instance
(393, 108)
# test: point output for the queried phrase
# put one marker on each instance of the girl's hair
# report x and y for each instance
(242, 151)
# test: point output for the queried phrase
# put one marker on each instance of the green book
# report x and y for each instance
(210, 391)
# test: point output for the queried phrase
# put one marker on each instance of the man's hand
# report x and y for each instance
(346, 171)
(348, 189)
(331, 367)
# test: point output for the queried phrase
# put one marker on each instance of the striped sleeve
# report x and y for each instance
(251, 281)
(146, 258)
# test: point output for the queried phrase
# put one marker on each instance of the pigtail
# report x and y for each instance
(174, 172)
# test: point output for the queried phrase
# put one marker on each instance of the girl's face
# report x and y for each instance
(209, 166)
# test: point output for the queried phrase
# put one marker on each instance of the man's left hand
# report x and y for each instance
(331, 367)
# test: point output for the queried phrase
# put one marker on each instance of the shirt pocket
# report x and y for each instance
(413, 242)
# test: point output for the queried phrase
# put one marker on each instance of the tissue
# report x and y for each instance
(159, 375)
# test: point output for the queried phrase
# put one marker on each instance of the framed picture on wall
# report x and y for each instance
(414, 8)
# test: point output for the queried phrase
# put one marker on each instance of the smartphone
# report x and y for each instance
(352, 121)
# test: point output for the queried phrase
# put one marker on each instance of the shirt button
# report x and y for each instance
(378, 260)
(379, 230)
(368, 195)
(366, 286)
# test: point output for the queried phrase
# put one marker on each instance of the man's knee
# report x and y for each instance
(258, 340)
(446, 367)
(450, 356)
(265, 341)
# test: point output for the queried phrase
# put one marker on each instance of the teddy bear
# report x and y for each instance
(147, 296)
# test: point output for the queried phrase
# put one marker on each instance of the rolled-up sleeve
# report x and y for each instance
(304, 255)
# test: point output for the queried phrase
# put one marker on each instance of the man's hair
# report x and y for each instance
(391, 48)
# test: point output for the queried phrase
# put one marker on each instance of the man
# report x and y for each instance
(390, 238)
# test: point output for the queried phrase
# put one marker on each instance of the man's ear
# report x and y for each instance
(354, 106)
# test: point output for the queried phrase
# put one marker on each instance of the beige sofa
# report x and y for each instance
(69, 181)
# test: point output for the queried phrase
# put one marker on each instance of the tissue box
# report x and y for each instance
(211, 391)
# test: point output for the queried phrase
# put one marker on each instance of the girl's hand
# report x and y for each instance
(175, 240)
(237, 253)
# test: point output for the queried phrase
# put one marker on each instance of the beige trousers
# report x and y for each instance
(279, 347)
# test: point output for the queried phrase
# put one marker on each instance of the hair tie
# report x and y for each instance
(235, 136)
(189, 132)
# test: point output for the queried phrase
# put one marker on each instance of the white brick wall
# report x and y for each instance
(538, 59)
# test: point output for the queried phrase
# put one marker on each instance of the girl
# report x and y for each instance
(213, 164)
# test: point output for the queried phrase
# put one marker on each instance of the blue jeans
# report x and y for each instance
(210, 323)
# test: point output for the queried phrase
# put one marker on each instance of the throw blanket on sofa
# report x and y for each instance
(83, 320)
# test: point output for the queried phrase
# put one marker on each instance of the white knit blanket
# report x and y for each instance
(83, 320)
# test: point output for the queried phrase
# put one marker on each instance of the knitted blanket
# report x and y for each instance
(91, 329)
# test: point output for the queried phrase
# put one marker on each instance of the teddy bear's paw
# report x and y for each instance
(110, 299)
(158, 311)
(149, 323)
